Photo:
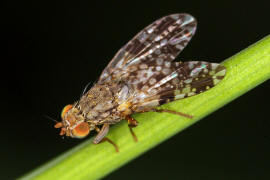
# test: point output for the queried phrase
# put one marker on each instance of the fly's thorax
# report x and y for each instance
(100, 103)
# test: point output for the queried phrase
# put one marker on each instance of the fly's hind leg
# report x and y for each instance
(131, 124)
(173, 112)
(101, 136)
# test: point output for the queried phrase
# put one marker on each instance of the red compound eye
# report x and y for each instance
(81, 130)
(65, 110)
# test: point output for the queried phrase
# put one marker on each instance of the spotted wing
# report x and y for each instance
(172, 81)
(165, 38)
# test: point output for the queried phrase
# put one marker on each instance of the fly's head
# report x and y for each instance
(73, 123)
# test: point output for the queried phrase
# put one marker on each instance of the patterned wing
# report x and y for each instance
(172, 81)
(165, 38)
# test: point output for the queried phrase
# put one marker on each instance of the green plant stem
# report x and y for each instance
(245, 71)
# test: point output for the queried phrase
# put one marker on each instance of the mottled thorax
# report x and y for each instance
(100, 103)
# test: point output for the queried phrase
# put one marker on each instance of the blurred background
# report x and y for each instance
(53, 49)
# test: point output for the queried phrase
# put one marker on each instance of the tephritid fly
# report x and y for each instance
(139, 78)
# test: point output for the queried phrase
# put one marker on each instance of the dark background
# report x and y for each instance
(53, 49)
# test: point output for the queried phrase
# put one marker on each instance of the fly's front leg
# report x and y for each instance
(101, 136)
(131, 124)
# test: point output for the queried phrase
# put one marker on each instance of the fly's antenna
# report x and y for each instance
(48, 117)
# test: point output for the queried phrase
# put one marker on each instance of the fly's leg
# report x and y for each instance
(101, 136)
(172, 112)
(131, 124)
(101, 133)
(111, 142)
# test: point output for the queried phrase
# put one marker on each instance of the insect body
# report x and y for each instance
(141, 77)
